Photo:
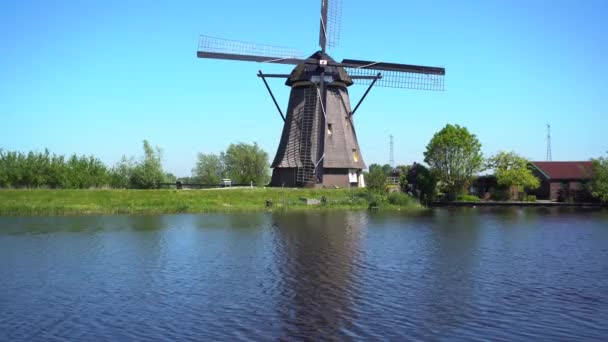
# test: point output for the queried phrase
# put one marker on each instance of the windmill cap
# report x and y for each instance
(310, 71)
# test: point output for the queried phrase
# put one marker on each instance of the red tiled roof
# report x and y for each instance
(566, 169)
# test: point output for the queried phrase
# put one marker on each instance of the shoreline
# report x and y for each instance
(439, 204)
(64, 202)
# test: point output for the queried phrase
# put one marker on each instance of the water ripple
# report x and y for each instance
(450, 274)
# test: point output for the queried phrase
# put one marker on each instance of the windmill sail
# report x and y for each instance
(331, 17)
(396, 75)
(219, 48)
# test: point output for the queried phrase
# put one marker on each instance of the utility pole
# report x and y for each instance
(549, 158)
(391, 157)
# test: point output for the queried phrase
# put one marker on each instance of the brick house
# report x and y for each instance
(563, 181)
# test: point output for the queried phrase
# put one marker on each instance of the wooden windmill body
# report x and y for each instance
(318, 145)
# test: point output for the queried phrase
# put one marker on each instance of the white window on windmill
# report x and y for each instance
(355, 156)
(330, 129)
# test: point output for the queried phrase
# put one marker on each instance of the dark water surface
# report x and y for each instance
(468, 274)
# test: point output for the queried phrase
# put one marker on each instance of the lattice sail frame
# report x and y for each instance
(398, 79)
(236, 47)
(334, 19)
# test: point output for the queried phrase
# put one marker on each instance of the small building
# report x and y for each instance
(563, 181)
(484, 185)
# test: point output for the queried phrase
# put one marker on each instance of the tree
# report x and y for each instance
(245, 163)
(512, 171)
(376, 179)
(36, 169)
(422, 182)
(120, 175)
(187, 180)
(599, 182)
(148, 174)
(84, 172)
(209, 169)
(387, 169)
(403, 170)
(169, 178)
(455, 155)
(373, 167)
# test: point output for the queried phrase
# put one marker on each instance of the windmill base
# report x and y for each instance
(332, 178)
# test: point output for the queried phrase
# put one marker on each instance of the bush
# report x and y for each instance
(376, 180)
(399, 198)
(392, 188)
(403, 184)
(422, 183)
(374, 199)
(501, 195)
(529, 198)
(46, 170)
(467, 198)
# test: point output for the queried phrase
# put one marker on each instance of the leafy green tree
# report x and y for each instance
(599, 182)
(169, 178)
(427, 183)
(84, 172)
(512, 170)
(121, 172)
(187, 180)
(148, 174)
(387, 169)
(423, 183)
(36, 169)
(373, 167)
(57, 172)
(209, 169)
(245, 163)
(376, 179)
(455, 155)
(403, 171)
(403, 184)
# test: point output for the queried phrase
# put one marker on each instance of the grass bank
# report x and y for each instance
(90, 202)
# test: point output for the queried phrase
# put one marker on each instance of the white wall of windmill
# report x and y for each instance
(352, 175)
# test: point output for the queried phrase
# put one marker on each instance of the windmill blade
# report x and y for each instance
(219, 48)
(395, 75)
(331, 18)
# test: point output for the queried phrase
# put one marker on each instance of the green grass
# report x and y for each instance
(90, 202)
(467, 198)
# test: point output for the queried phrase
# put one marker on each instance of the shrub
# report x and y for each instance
(467, 198)
(399, 198)
(501, 195)
(376, 179)
(392, 188)
(374, 198)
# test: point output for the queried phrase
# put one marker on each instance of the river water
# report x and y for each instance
(469, 274)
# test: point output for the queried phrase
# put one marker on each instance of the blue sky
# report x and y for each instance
(98, 77)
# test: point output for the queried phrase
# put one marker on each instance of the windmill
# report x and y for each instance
(318, 145)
